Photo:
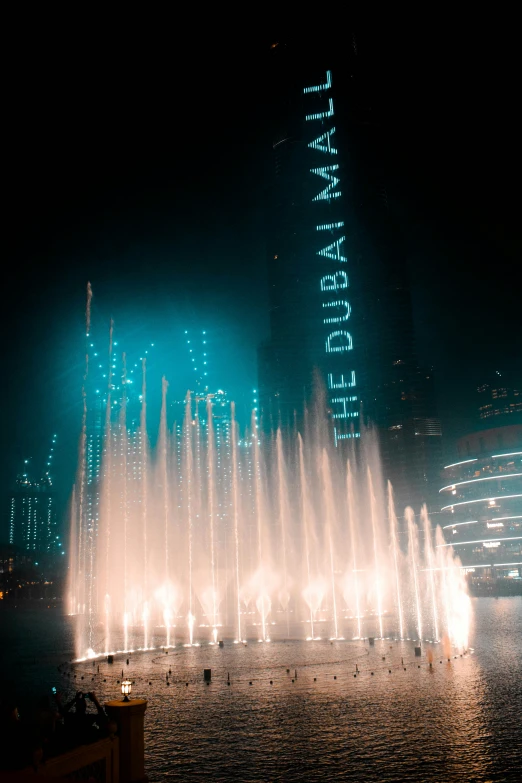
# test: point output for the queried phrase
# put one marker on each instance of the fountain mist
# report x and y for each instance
(281, 528)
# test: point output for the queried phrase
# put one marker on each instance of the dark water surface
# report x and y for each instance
(461, 721)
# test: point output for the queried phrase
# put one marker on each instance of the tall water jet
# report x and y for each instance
(263, 601)
(441, 564)
(187, 475)
(428, 553)
(373, 514)
(73, 558)
(329, 507)
(107, 500)
(81, 540)
(144, 459)
(211, 512)
(413, 547)
(235, 505)
(283, 518)
(351, 522)
(124, 452)
(305, 506)
(165, 492)
(392, 516)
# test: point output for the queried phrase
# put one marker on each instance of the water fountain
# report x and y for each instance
(252, 537)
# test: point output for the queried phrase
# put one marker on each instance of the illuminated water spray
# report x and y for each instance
(428, 549)
(329, 508)
(283, 511)
(108, 455)
(235, 506)
(263, 600)
(166, 512)
(396, 555)
(163, 536)
(211, 512)
(353, 542)
(305, 516)
(376, 562)
(188, 472)
(413, 551)
(144, 459)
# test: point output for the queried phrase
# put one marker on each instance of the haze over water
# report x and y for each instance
(221, 534)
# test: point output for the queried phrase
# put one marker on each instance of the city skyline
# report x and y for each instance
(159, 251)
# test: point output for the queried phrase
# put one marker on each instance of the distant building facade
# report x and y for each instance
(481, 504)
(340, 306)
(32, 513)
(499, 400)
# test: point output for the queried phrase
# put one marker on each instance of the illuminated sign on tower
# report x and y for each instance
(333, 282)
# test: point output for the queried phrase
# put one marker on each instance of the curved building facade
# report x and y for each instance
(481, 505)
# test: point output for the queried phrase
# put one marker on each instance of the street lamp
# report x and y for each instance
(126, 687)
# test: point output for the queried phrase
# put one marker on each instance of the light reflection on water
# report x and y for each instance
(461, 722)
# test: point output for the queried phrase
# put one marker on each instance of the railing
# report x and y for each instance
(117, 759)
(98, 761)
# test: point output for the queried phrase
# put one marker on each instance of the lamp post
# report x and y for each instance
(128, 715)
(126, 688)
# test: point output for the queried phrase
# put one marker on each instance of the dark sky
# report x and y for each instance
(135, 159)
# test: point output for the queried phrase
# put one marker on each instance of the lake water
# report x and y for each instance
(459, 721)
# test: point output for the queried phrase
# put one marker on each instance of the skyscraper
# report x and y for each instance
(32, 518)
(310, 253)
(340, 306)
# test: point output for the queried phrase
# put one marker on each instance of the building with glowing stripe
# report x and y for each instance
(481, 505)
(340, 307)
(313, 325)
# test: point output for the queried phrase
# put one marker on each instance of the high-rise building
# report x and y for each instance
(32, 518)
(340, 306)
(499, 400)
(481, 504)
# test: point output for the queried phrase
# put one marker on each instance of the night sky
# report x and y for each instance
(136, 158)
